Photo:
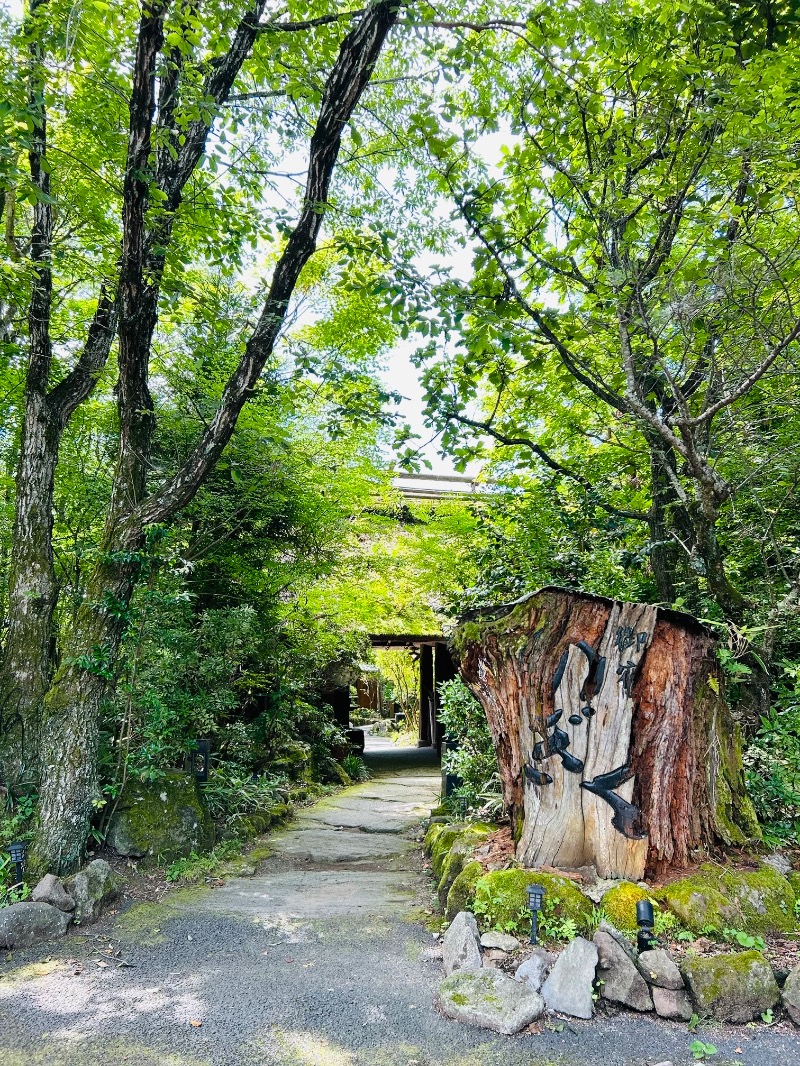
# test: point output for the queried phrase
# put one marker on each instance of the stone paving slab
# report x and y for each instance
(364, 821)
(311, 894)
(337, 846)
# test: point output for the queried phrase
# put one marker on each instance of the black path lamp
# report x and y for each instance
(535, 900)
(645, 920)
(17, 852)
(199, 758)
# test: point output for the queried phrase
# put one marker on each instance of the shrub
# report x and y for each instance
(474, 760)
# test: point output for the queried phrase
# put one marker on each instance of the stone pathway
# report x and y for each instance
(320, 960)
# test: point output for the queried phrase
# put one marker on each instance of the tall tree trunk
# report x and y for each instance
(72, 706)
(32, 588)
(615, 745)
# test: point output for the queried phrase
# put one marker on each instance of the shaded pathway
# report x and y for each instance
(320, 960)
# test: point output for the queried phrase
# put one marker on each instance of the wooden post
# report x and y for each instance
(426, 696)
(615, 745)
(444, 669)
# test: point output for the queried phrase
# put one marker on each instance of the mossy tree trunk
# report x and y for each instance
(615, 744)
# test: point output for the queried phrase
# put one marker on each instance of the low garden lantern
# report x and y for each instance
(645, 920)
(535, 900)
(17, 853)
(199, 758)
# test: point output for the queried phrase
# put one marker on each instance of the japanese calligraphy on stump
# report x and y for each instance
(600, 750)
(584, 815)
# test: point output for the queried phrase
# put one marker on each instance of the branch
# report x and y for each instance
(308, 24)
(748, 382)
(65, 397)
(559, 468)
(348, 79)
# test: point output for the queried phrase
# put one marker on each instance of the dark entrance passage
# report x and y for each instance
(435, 666)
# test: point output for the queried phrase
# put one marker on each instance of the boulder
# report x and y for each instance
(619, 904)
(501, 897)
(50, 890)
(25, 924)
(756, 901)
(462, 891)
(660, 969)
(490, 1000)
(535, 969)
(162, 819)
(791, 995)
(621, 981)
(672, 1003)
(732, 988)
(460, 949)
(501, 941)
(568, 989)
(93, 888)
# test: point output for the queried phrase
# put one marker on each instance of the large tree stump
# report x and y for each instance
(615, 744)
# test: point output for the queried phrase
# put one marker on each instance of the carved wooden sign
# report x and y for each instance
(599, 711)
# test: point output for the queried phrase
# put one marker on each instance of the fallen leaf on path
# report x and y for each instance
(195, 1023)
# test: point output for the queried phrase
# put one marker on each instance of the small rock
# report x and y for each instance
(598, 888)
(732, 988)
(791, 995)
(622, 982)
(502, 941)
(535, 969)
(568, 989)
(460, 949)
(494, 955)
(672, 1003)
(660, 969)
(25, 924)
(92, 889)
(780, 862)
(50, 890)
(490, 1000)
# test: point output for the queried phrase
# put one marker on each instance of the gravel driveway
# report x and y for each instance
(320, 960)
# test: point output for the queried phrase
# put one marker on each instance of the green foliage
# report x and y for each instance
(196, 867)
(501, 902)
(772, 762)
(701, 1050)
(473, 759)
(355, 768)
(16, 823)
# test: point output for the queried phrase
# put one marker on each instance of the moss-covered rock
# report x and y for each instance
(793, 877)
(295, 760)
(432, 835)
(467, 835)
(164, 820)
(459, 853)
(462, 891)
(93, 888)
(279, 812)
(502, 902)
(713, 899)
(731, 988)
(619, 904)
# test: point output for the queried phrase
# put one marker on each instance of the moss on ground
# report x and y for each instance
(69, 1052)
(32, 971)
(501, 900)
(143, 922)
(619, 904)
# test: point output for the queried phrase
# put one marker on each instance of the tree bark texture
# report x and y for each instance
(616, 747)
